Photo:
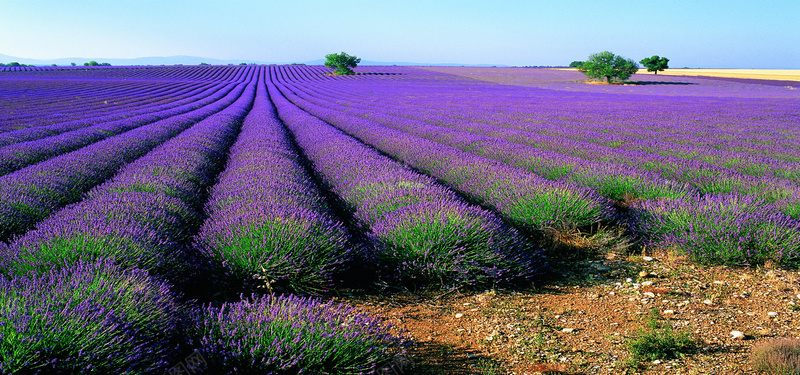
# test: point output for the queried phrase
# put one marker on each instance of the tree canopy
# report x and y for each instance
(342, 62)
(609, 66)
(655, 63)
(575, 64)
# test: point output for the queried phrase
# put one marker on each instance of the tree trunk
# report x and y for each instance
(608, 79)
(656, 72)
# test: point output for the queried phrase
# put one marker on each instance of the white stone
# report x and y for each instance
(459, 315)
(737, 335)
(669, 312)
(568, 330)
(647, 259)
(708, 302)
(647, 283)
(772, 313)
(657, 362)
(649, 294)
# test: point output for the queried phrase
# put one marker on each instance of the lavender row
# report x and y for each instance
(185, 73)
(142, 216)
(31, 194)
(184, 96)
(267, 222)
(293, 335)
(424, 234)
(64, 99)
(713, 228)
(99, 109)
(699, 176)
(720, 229)
(610, 180)
(523, 198)
(36, 114)
(19, 155)
(724, 149)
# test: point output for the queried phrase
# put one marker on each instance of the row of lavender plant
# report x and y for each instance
(97, 104)
(271, 223)
(137, 221)
(424, 234)
(58, 101)
(523, 198)
(610, 180)
(709, 226)
(705, 178)
(267, 223)
(32, 193)
(726, 152)
(90, 318)
(125, 321)
(103, 109)
(22, 154)
(178, 96)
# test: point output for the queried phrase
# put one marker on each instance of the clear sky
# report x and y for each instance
(691, 33)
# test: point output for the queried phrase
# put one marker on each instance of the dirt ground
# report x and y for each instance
(580, 321)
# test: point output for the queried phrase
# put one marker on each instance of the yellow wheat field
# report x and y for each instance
(772, 74)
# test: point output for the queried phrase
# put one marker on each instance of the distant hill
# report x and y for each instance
(193, 60)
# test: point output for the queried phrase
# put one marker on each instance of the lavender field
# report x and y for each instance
(154, 214)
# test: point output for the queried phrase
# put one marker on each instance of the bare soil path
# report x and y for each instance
(581, 322)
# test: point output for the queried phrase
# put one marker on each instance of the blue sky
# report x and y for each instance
(692, 33)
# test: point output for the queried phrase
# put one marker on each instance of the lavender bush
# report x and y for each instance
(288, 334)
(721, 229)
(91, 318)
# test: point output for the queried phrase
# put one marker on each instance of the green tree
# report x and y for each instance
(91, 63)
(342, 62)
(609, 66)
(576, 64)
(655, 63)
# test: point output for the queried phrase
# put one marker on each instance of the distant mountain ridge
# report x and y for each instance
(193, 60)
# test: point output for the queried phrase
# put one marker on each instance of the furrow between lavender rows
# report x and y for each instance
(32, 193)
(423, 233)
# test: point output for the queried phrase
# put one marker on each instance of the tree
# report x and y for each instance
(342, 62)
(655, 63)
(91, 63)
(609, 66)
(576, 64)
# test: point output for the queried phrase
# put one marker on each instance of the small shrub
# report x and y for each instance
(658, 341)
(780, 357)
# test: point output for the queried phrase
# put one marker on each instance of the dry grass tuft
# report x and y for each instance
(572, 243)
(779, 356)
